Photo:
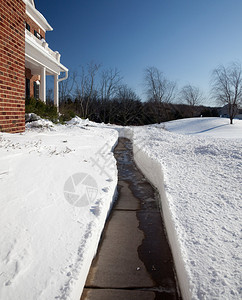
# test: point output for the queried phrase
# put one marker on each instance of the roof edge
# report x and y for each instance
(37, 16)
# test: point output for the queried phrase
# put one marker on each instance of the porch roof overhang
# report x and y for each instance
(38, 55)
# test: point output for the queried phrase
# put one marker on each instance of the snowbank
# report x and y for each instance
(57, 184)
(201, 196)
(152, 170)
(213, 127)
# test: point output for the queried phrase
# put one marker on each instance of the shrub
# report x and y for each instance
(47, 111)
(67, 116)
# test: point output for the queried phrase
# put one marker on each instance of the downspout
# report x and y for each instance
(63, 78)
(56, 88)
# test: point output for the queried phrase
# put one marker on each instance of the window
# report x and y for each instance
(36, 89)
(27, 26)
(27, 88)
(37, 35)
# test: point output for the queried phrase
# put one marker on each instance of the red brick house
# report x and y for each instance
(25, 61)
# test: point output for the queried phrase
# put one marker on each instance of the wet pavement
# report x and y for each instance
(134, 259)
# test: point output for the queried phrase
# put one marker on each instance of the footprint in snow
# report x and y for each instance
(18, 258)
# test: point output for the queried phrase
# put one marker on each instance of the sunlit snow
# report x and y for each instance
(57, 184)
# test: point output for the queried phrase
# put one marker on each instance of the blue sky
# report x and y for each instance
(185, 39)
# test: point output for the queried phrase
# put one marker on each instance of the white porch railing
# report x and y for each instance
(42, 43)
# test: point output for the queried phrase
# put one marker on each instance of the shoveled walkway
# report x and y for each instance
(134, 260)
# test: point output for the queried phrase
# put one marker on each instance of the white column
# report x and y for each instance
(43, 84)
(56, 91)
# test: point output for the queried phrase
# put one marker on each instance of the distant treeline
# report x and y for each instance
(133, 112)
(100, 95)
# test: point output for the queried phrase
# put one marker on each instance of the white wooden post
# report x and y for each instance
(43, 84)
(56, 91)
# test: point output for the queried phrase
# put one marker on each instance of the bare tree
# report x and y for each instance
(110, 81)
(126, 93)
(191, 95)
(129, 108)
(227, 87)
(86, 90)
(160, 92)
(109, 84)
(66, 86)
(158, 87)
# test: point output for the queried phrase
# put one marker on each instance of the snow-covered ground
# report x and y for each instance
(212, 127)
(57, 184)
(197, 167)
(56, 187)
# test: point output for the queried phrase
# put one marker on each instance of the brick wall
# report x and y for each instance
(34, 26)
(12, 66)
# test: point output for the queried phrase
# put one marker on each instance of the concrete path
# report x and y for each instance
(134, 259)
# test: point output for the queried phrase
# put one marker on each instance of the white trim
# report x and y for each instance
(35, 21)
(37, 17)
(64, 69)
(28, 1)
(38, 63)
(36, 44)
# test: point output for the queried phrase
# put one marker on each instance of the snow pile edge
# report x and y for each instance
(92, 249)
(93, 244)
(152, 169)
